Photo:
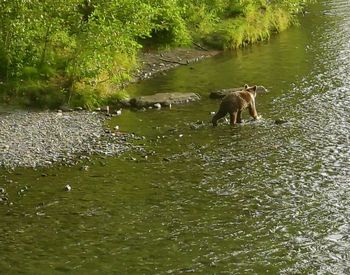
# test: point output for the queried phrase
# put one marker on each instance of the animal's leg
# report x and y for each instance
(252, 111)
(239, 116)
(233, 118)
(217, 116)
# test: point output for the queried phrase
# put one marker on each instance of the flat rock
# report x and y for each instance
(164, 99)
(223, 92)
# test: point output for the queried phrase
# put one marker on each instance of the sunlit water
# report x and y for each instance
(255, 198)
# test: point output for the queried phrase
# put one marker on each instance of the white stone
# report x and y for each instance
(157, 105)
(67, 188)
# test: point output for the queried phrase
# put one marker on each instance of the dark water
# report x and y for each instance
(256, 198)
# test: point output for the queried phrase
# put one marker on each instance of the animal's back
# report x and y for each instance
(235, 101)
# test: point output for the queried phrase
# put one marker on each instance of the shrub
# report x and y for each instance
(89, 47)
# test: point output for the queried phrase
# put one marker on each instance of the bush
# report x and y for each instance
(83, 46)
(32, 93)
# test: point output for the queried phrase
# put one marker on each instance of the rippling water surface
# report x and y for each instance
(256, 198)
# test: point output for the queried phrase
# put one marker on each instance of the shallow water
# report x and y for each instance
(256, 198)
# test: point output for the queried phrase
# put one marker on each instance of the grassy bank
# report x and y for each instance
(80, 51)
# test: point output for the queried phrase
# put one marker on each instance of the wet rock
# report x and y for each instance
(105, 109)
(84, 168)
(125, 102)
(23, 190)
(281, 121)
(164, 99)
(65, 108)
(3, 199)
(198, 124)
(67, 188)
(223, 92)
(157, 106)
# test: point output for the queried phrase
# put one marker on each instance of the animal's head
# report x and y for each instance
(250, 89)
(256, 89)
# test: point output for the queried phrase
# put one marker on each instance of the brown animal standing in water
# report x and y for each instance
(234, 103)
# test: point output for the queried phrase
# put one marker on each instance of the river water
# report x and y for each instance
(255, 198)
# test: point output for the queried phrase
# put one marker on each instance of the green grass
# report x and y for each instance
(86, 65)
(256, 25)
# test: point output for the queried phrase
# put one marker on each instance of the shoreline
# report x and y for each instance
(155, 62)
(43, 139)
(32, 139)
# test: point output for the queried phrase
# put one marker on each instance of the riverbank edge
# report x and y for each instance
(46, 139)
(152, 64)
(155, 62)
(230, 33)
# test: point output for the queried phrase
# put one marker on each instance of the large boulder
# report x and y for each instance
(164, 99)
(223, 92)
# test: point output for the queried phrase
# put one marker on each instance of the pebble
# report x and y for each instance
(157, 106)
(67, 188)
(105, 109)
(40, 139)
(280, 121)
(84, 168)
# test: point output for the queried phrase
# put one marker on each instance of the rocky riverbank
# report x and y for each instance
(37, 139)
(155, 62)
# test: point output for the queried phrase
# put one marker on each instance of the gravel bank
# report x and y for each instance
(36, 139)
(155, 62)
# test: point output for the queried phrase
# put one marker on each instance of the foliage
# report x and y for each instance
(85, 48)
